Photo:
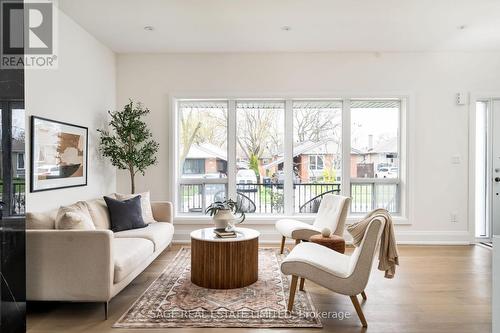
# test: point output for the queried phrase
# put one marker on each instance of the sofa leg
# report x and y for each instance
(293, 287)
(283, 239)
(301, 286)
(106, 306)
(359, 311)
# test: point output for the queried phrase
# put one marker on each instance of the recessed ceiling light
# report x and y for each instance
(461, 27)
(286, 28)
(149, 28)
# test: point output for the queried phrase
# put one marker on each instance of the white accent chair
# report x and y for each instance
(343, 274)
(331, 214)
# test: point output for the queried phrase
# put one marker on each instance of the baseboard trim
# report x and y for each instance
(269, 236)
(416, 243)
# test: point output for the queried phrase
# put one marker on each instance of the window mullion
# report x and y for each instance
(288, 159)
(346, 148)
(231, 150)
(402, 156)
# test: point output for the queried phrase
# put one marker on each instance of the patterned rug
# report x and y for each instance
(173, 301)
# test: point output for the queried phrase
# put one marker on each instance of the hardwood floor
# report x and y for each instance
(436, 289)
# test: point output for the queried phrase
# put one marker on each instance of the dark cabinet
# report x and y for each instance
(13, 275)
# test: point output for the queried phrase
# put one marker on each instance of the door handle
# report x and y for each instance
(497, 179)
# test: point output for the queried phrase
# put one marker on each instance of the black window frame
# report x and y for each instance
(11, 195)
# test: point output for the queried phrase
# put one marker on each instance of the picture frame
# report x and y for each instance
(58, 155)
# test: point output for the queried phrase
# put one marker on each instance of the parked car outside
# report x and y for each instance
(383, 165)
(281, 179)
(387, 172)
(245, 176)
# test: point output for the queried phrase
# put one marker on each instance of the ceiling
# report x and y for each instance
(316, 25)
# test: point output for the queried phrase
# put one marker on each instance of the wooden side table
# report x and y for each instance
(333, 242)
(224, 263)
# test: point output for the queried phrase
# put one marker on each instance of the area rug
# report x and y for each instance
(173, 301)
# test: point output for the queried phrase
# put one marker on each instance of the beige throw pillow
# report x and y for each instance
(75, 216)
(147, 211)
(44, 220)
(99, 213)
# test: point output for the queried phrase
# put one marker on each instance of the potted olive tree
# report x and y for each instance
(129, 143)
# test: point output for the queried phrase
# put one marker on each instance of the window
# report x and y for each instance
(242, 149)
(316, 163)
(202, 154)
(193, 166)
(375, 155)
(259, 156)
(482, 190)
(13, 164)
(20, 161)
(317, 152)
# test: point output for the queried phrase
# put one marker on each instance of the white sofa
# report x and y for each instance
(90, 265)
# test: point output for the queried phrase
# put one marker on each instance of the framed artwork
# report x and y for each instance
(59, 153)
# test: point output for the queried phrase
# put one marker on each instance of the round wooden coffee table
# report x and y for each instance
(224, 263)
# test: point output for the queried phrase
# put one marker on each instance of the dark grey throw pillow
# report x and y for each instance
(125, 215)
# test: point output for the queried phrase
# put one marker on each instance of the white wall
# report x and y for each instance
(439, 127)
(80, 92)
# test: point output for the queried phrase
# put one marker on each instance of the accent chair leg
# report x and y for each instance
(301, 287)
(283, 239)
(359, 311)
(293, 287)
(297, 241)
(106, 306)
(363, 294)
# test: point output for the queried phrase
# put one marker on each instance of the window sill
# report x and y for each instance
(271, 219)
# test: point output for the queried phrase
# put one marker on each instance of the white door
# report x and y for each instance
(487, 169)
(494, 177)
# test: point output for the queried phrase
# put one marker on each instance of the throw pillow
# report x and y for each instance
(44, 220)
(125, 215)
(75, 216)
(99, 212)
(147, 211)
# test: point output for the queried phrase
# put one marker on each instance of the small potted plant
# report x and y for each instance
(223, 212)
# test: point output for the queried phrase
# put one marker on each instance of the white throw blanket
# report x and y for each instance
(388, 255)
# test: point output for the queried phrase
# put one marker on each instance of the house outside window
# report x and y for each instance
(20, 161)
(316, 168)
(193, 166)
(280, 156)
(316, 162)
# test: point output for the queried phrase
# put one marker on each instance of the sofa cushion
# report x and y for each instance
(99, 212)
(160, 233)
(129, 253)
(44, 220)
(147, 211)
(125, 215)
(75, 216)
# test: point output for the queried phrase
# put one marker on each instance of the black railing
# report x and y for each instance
(17, 200)
(252, 198)
(308, 195)
(191, 198)
(269, 198)
(18, 205)
(368, 195)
